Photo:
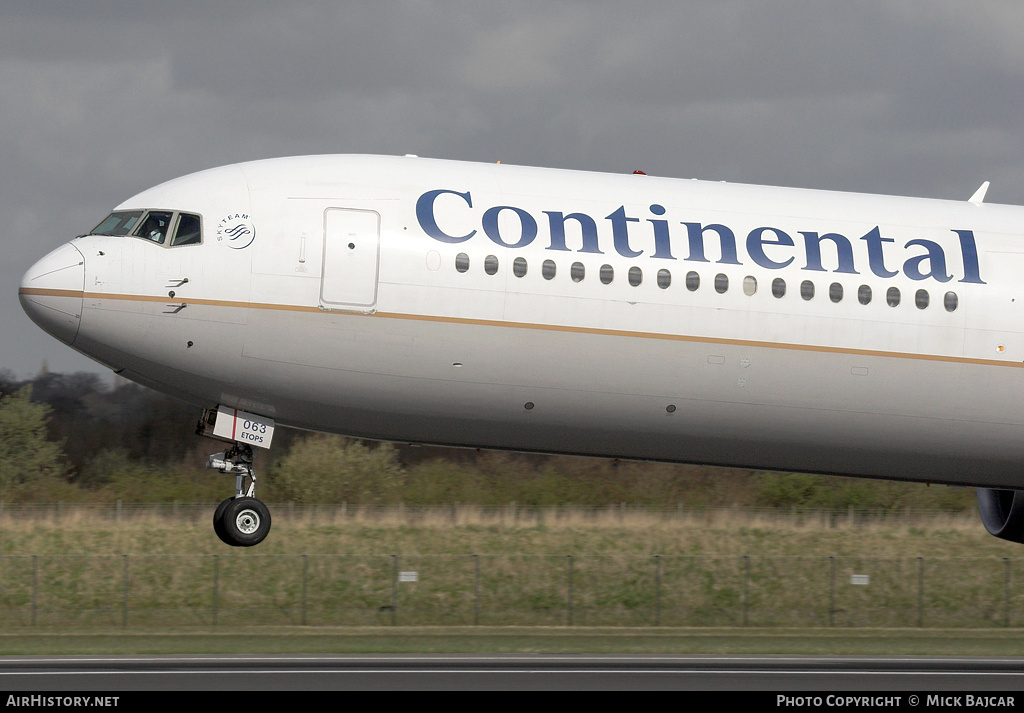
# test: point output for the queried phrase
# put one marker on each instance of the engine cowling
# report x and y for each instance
(1002, 513)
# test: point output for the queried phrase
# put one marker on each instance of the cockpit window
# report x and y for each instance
(155, 226)
(188, 230)
(118, 223)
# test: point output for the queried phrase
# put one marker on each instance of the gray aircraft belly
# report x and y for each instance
(409, 379)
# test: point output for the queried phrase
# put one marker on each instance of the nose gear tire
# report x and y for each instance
(244, 522)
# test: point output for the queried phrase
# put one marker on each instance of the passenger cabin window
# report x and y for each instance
(635, 276)
(519, 267)
(547, 269)
(950, 301)
(807, 290)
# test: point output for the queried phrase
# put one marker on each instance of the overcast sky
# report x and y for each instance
(100, 100)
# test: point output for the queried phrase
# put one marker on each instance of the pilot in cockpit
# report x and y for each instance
(155, 227)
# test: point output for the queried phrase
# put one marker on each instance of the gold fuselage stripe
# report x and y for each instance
(528, 325)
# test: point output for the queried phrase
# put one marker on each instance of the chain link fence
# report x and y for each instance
(507, 589)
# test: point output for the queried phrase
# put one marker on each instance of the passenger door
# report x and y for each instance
(351, 260)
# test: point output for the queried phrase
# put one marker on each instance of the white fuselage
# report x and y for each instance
(534, 309)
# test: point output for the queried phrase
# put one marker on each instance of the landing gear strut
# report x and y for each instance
(242, 520)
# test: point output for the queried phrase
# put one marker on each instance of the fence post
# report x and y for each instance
(1006, 560)
(746, 587)
(305, 573)
(657, 590)
(569, 602)
(920, 591)
(35, 587)
(394, 590)
(476, 590)
(832, 590)
(124, 599)
(216, 586)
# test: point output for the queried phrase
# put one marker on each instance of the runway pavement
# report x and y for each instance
(127, 677)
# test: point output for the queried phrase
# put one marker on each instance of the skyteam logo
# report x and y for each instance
(236, 231)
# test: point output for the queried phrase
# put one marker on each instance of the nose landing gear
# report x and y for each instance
(242, 520)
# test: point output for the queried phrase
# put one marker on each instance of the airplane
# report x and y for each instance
(631, 316)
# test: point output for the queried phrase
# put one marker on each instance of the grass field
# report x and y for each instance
(467, 529)
(617, 580)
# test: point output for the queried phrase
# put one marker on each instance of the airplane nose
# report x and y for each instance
(51, 292)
